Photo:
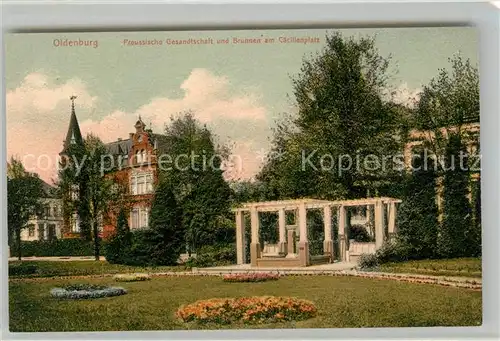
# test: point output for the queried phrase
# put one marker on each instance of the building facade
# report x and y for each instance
(47, 224)
(133, 166)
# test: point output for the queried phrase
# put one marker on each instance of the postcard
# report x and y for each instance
(298, 178)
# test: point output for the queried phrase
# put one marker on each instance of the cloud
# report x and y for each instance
(37, 119)
(38, 108)
(406, 96)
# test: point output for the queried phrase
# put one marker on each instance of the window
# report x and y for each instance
(149, 183)
(74, 192)
(46, 211)
(41, 232)
(144, 217)
(75, 223)
(31, 230)
(139, 217)
(135, 218)
(141, 183)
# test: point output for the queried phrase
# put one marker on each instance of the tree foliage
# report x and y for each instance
(447, 107)
(342, 116)
(167, 235)
(447, 104)
(117, 249)
(457, 228)
(194, 168)
(24, 191)
(418, 213)
(86, 189)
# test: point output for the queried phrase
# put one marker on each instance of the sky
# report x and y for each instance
(238, 89)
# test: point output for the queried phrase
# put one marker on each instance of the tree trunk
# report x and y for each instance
(96, 239)
(18, 241)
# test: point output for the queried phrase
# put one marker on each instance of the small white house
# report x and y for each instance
(48, 223)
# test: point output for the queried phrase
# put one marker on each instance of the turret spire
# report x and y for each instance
(74, 135)
(72, 98)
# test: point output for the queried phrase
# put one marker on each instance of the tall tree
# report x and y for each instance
(24, 191)
(71, 184)
(100, 192)
(195, 169)
(343, 117)
(455, 237)
(447, 104)
(418, 214)
(448, 107)
(166, 235)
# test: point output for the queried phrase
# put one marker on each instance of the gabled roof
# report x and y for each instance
(123, 146)
(120, 147)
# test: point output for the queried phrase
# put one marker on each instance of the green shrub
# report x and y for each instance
(217, 255)
(368, 261)
(392, 252)
(22, 269)
(137, 252)
(55, 248)
(359, 234)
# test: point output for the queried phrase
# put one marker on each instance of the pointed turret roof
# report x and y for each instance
(74, 135)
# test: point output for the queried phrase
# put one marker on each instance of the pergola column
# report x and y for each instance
(379, 224)
(369, 209)
(282, 231)
(328, 242)
(240, 238)
(341, 232)
(303, 243)
(255, 243)
(392, 219)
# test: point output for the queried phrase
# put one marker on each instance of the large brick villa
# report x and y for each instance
(136, 167)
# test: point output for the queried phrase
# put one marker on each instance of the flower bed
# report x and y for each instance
(251, 277)
(86, 291)
(259, 309)
(132, 277)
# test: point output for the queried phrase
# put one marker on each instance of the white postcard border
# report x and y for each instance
(135, 16)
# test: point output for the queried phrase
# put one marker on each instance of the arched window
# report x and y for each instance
(138, 156)
(143, 157)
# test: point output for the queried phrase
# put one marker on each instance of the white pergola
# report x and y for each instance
(301, 257)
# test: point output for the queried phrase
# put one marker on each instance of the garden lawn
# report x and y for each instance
(463, 267)
(84, 268)
(151, 305)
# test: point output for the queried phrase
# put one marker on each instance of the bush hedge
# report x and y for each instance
(22, 269)
(368, 261)
(55, 248)
(218, 255)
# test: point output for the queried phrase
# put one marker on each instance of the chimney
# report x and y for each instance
(119, 139)
(131, 135)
